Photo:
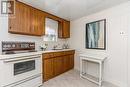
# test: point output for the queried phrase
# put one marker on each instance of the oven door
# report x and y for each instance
(18, 69)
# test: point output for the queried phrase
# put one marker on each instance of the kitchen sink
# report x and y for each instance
(57, 49)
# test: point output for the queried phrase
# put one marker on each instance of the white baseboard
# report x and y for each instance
(115, 83)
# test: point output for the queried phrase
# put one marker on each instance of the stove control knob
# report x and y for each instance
(4, 46)
(8, 46)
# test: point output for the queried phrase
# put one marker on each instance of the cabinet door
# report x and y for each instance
(64, 29)
(60, 29)
(71, 61)
(48, 69)
(20, 23)
(37, 22)
(34, 21)
(41, 23)
(58, 65)
(66, 63)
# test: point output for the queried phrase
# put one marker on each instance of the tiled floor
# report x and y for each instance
(71, 79)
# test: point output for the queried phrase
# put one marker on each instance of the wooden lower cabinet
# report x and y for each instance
(66, 63)
(71, 61)
(48, 69)
(57, 63)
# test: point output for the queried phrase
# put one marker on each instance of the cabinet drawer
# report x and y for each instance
(69, 52)
(57, 54)
(48, 55)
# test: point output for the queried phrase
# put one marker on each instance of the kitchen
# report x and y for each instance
(57, 51)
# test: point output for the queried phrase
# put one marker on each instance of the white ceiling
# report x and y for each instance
(72, 9)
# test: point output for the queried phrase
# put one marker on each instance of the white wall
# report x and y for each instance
(117, 21)
(128, 53)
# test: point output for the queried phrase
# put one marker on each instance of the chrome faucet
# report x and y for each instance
(55, 46)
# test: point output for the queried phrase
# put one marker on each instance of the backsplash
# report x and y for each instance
(59, 43)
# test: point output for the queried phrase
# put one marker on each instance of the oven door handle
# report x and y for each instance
(20, 59)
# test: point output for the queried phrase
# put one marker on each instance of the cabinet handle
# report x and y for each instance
(10, 27)
(32, 29)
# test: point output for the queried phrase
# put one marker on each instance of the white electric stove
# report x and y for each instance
(20, 71)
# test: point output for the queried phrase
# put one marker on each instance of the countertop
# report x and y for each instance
(101, 57)
(7, 56)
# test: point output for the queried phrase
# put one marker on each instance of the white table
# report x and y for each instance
(95, 58)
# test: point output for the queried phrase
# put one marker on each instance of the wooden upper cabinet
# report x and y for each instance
(37, 22)
(31, 21)
(41, 18)
(64, 29)
(27, 20)
(20, 23)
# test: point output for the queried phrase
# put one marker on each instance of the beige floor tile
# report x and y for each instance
(71, 79)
